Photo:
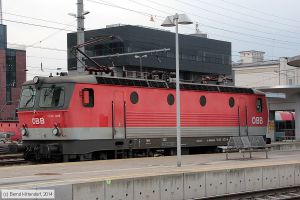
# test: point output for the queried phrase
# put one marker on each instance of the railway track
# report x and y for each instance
(12, 159)
(286, 193)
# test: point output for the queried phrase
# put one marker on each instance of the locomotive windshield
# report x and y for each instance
(45, 96)
(52, 97)
(27, 97)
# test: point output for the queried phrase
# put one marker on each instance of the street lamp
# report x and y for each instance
(170, 21)
(140, 57)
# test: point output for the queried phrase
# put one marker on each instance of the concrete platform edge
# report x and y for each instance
(183, 185)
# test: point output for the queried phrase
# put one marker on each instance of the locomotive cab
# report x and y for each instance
(42, 108)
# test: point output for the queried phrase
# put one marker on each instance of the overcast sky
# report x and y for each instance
(272, 26)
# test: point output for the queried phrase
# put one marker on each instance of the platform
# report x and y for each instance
(204, 175)
(285, 145)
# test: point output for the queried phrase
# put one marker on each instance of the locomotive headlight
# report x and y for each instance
(24, 131)
(56, 131)
(36, 80)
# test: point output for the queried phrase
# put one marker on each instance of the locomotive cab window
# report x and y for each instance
(88, 97)
(27, 97)
(52, 97)
(259, 105)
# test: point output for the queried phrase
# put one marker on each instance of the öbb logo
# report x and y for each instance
(257, 120)
(37, 121)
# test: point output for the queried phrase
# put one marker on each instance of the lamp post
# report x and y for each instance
(141, 57)
(170, 21)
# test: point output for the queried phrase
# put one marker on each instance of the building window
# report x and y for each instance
(170, 99)
(202, 101)
(10, 74)
(3, 37)
(8, 95)
(134, 97)
(259, 105)
(231, 102)
(106, 49)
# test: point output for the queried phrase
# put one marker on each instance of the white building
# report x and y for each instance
(254, 71)
(280, 81)
(251, 56)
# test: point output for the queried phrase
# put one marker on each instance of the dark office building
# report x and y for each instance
(12, 76)
(199, 56)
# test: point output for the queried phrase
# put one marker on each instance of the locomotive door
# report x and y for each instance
(243, 117)
(118, 116)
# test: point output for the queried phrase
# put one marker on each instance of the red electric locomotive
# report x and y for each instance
(96, 117)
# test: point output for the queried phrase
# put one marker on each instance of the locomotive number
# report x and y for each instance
(257, 120)
(38, 120)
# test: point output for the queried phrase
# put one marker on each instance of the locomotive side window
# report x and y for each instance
(52, 97)
(259, 105)
(27, 98)
(88, 97)
(231, 102)
(134, 97)
(170, 99)
(202, 101)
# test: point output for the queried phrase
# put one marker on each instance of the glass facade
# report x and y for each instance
(10, 74)
(110, 48)
(3, 37)
(198, 55)
(203, 57)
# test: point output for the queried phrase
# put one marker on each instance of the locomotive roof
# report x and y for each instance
(94, 79)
